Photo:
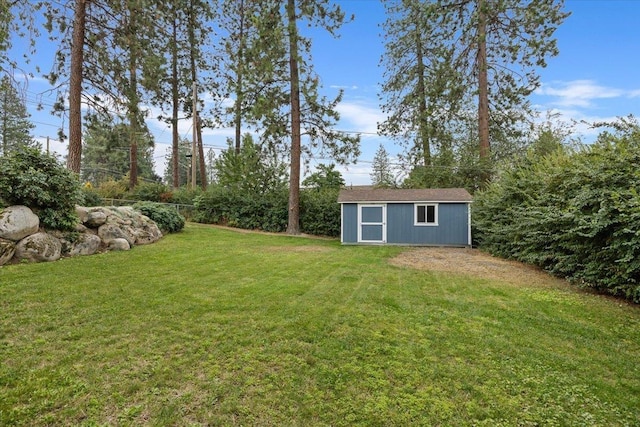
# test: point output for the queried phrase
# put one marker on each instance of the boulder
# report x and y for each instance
(111, 231)
(85, 244)
(38, 247)
(148, 233)
(83, 213)
(119, 245)
(18, 222)
(95, 219)
(7, 249)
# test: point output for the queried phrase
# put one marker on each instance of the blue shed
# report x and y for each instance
(431, 216)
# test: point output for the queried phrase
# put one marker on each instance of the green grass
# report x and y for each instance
(215, 327)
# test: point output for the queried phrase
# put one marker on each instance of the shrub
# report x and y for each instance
(90, 197)
(185, 195)
(167, 218)
(112, 189)
(151, 192)
(268, 211)
(574, 214)
(264, 211)
(35, 179)
(320, 212)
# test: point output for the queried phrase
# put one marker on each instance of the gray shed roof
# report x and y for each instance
(372, 194)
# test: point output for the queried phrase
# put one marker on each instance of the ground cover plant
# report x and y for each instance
(218, 327)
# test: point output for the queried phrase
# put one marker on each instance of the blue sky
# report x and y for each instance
(595, 77)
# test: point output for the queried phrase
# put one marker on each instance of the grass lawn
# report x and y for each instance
(216, 327)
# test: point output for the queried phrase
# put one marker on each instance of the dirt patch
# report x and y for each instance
(472, 262)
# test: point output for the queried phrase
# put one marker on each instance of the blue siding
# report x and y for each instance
(349, 223)
(452, 228)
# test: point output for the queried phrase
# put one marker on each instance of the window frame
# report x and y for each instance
(426, 223)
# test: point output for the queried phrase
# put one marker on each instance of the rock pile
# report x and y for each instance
(100, 229)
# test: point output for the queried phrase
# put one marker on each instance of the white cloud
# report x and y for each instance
(580, 123)
(359, 117)
(344, 87)
(578, 93)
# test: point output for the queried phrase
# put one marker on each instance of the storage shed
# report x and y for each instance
(432, 216)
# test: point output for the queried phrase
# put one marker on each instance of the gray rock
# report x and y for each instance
(81, 228)
(95, 219)
(38, 247)
(18, 222)
(119, 245)
(133, 223)
(111, 231)
(86, 244)
(148, 233)
(83, 213)
(7, 249)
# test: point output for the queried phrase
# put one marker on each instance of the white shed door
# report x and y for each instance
(372, 223)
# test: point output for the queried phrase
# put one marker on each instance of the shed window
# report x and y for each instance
(426, 215)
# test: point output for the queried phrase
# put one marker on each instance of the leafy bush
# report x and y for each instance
(320, 212)
(151, 192)
(574, 214)
(185, 195)
(90, 197)
(112, 189)
(167, 218)
(264, 211)
(35, 179)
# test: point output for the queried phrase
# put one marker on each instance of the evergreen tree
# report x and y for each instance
(184, 165)
(288, 105)
(326, 176)
(443, 55)
(118, 60)
(106, 151)
(15, 127)
(189, 24)
(421, 90)
(501, 44)
(183, 162)
(382, 171)
(253, 170)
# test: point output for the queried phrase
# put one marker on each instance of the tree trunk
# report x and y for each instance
(74, 157)
(293, 226)
(239, 81)
(201, 159)
(197, 131)
(483, 89)
(133, 102)
(175, 101)
(423, 122)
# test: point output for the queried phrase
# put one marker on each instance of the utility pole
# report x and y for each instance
(195, 136)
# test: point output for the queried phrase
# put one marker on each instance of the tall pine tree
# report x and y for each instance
(15, 127)
(289, 105)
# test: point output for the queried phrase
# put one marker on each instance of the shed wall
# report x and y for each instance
(349, 223)
(452, 228)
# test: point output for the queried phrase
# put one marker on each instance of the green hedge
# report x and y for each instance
(268, 211)
(320, 212)
(575, 214)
